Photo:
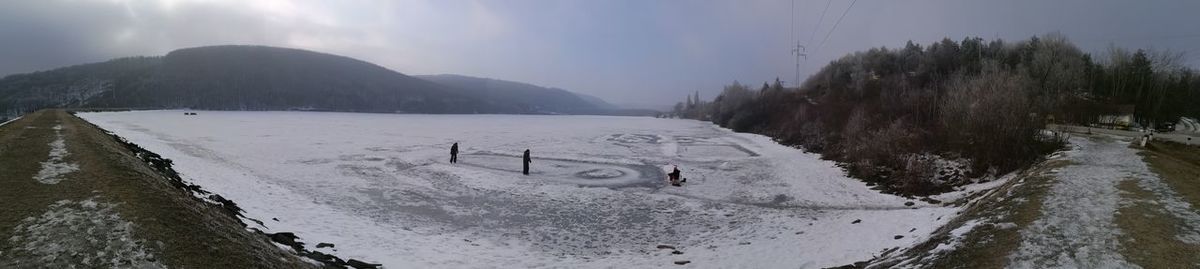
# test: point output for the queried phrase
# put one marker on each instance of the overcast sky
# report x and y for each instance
(627, 52)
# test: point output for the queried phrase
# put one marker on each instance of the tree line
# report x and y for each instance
(922, 119)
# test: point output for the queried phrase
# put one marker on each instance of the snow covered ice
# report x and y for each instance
(381, 188)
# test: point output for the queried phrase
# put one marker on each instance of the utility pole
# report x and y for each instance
(799, 52)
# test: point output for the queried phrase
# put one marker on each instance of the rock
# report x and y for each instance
(909, 203)
(324, 258)
(288, 239)
(666, 247)
(682, 262)
(324, 245)
(744, 243)
(275, 219)
(856, 265)
(800, 232)
(913, 230)
(677, 252)
(856, 221)
(898, 237)
(357, 264)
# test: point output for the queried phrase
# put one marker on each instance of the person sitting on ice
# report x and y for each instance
(674, 176)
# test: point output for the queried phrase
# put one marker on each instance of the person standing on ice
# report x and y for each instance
(526, 162)
(454, 153)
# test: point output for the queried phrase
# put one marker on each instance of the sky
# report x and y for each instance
(634, 53)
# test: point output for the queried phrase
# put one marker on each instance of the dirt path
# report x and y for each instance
(1103, 204)
(74, 197)
(1116, 206)
(1077, 227)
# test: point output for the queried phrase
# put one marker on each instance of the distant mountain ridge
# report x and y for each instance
(528, 96)
(270, 78)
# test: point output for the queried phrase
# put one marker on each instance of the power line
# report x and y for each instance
(835, 25)
(816, 28)
(792, 31)
(1142, 38)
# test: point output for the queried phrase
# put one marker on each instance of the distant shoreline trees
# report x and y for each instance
(920, 120)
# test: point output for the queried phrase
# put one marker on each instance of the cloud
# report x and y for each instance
(626, 51)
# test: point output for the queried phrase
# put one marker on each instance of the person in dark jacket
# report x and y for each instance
(526, 162)
(673, 177)
(454, 153)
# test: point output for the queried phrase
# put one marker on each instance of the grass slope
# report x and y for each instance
(180, 230)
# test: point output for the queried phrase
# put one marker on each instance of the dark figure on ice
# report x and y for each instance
(454, 153)
(675, 177)
(526, 162)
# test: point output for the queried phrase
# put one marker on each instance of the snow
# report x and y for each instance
(55, 167)
(9, 121)
(99, 238)
(1188, 125)
(1077, 228)
(966, 191)
(956, 236)
(380, 187)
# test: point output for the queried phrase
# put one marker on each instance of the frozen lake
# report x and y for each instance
(380, 187)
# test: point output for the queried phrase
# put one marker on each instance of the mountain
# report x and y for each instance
(525, 96)
(599, 103)
(270, 78)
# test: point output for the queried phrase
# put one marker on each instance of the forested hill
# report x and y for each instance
(525, 96)
(921, 119)
(261, 78)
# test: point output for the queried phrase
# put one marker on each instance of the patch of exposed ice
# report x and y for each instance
(55, 166)
(86, 234)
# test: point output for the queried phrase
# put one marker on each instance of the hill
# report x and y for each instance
(269, 78)
(103, 202)
(526, 97)
(923, 119)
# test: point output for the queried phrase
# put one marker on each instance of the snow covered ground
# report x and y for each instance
(84, 234)
(1188, 125)
(55, 166)
(380, 187)
(1077, 228)
(12, 120)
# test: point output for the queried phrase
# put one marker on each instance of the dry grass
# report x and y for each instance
(1178, 165)
(193, 234)
(986, 246)
(1149, 231)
